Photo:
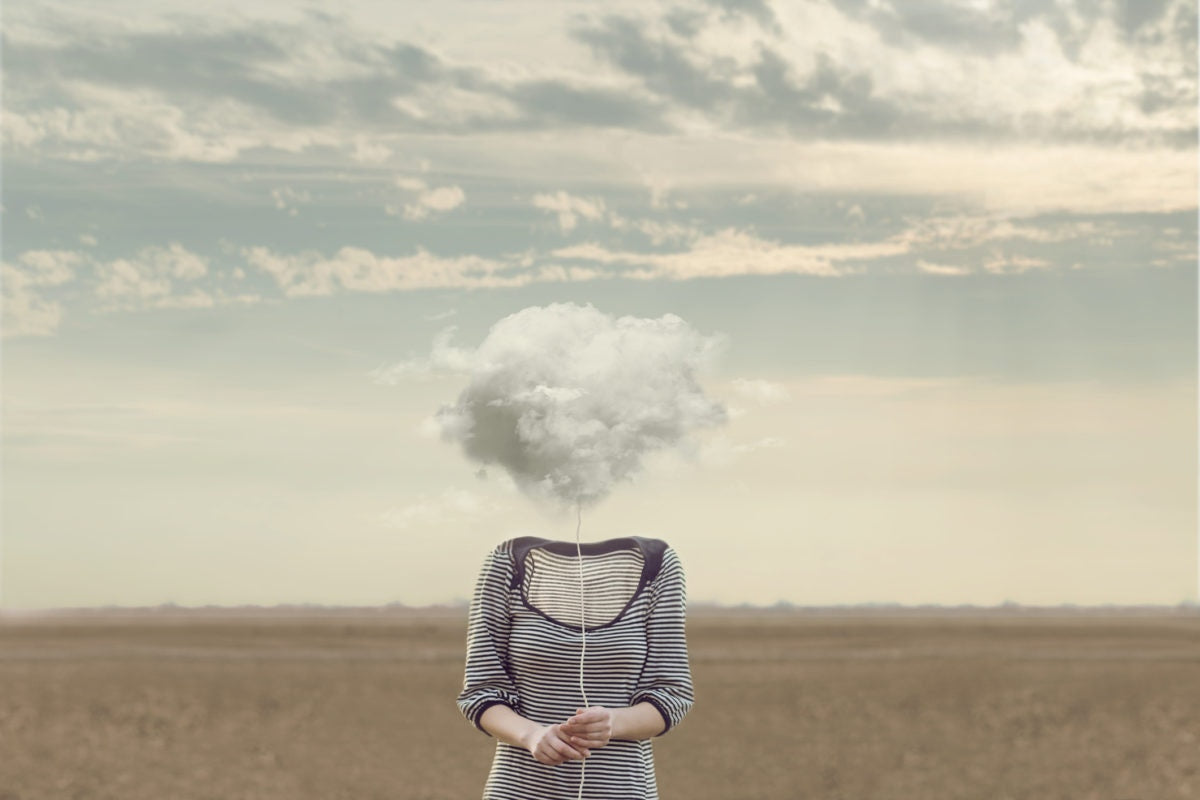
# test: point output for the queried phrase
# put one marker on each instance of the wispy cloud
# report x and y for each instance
(152, 279)
(26, 310)
(288, 199)
(854, 71)
(873, 71)
(934, 268)
(438, 510)
(761, 391)
(569, 209)
(154, 276)
(647, 143)
(444, 358)
(734, 252)
(429, 200)
(722, 451)
(359, 269)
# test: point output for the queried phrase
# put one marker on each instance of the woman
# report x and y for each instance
(522, 683)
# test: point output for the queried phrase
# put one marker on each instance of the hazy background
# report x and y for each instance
(952, 246)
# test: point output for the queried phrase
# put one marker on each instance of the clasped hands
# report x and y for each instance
(574, 739)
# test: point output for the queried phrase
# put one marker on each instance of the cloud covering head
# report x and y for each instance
(569, 400)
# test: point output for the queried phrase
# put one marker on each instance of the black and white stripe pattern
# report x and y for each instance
(523, 646)
(551, 583)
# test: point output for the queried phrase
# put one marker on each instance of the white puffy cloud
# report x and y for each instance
(569, 400)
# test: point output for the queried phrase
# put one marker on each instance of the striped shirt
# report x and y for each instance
(523, 650)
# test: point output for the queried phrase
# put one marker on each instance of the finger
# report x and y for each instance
(564, 732)
(598, 725)
(587, 730)
(581, 742)
(553, 758)
(590, 715)
(576, 752)
(546, 747)
(568, 753)
(601, 738)
(592, 718)
(563, 748)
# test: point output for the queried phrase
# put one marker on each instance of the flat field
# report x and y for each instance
(836, 705)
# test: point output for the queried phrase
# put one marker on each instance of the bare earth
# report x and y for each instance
(360, 705)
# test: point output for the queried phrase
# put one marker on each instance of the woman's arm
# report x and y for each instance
(666, 679)
(638, 721)
(486, 679)
(508, 726)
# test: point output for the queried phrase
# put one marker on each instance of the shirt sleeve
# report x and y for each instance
(666, 679)
(486, 679)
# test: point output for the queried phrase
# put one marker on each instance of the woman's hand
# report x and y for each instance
(590, 727)
(549, 745)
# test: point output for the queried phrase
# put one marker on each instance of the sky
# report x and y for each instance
(951, 246)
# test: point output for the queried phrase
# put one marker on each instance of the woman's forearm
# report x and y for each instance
(640, 721)
(508, 726)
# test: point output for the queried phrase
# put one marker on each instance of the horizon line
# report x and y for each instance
(779, 605)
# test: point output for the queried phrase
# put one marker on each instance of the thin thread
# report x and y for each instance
(582, 631)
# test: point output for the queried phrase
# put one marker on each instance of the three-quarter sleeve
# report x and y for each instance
(666, 678)
(486, 679)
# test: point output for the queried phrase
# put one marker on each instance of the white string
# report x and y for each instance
(583, 633)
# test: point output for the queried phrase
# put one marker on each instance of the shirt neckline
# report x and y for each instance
(591, 548)
(586, 548)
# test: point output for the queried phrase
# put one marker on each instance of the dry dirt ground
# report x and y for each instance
(798, 706)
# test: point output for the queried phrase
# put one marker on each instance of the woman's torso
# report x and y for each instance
(545, 644)
(545, 640)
